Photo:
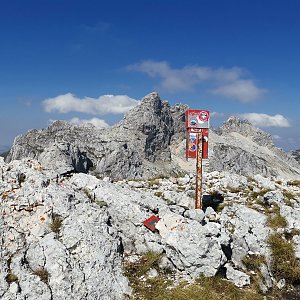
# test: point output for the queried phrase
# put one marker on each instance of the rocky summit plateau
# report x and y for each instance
(74, 199)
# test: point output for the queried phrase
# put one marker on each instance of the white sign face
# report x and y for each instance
(196, 118)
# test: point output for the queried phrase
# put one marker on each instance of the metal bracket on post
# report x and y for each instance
(198, 201)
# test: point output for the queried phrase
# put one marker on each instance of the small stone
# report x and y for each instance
(239, 278)
(281, 283)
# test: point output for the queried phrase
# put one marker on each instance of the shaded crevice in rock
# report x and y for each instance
(227, 250)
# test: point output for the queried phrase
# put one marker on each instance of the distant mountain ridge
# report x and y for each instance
(142, 146)
(296, 155)
(4, 148)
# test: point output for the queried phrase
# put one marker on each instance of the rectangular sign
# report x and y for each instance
(191, 147)
(197, 118)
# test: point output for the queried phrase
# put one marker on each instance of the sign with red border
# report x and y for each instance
(197, 118)
(191, 147)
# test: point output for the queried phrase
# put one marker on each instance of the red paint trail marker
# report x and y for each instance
(151, 222)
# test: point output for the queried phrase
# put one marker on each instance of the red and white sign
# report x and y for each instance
(191, 147)
(196, 118)
(151, 222)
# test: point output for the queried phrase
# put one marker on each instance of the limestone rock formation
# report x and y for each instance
(296, 155)
(65, 237)
(239, 147)
(136, 147)
(149, 141)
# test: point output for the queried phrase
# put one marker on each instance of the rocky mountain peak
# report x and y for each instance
(246, 129)
(149, 142)
(149, 112)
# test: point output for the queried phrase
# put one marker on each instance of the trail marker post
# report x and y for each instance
(197, 125)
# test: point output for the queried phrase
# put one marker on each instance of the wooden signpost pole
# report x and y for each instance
(198, 201)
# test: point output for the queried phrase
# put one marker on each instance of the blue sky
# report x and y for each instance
(59, 59)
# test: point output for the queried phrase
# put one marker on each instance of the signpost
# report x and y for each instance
(197, 125)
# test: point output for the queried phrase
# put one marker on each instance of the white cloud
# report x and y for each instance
(264, 120)
(95, 121)
(243, 90)
(217, 114)
(27, 103)
(229, 81)
(186, 78)
(107, 104)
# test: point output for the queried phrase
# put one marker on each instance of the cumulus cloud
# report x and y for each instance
(229, 82)
(244, 90)
(264, 120)
(107, 104)
(95, 121)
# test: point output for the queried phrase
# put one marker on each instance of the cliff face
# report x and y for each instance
(140, 146)
(296, 155)
(136, 147)
(241, 148)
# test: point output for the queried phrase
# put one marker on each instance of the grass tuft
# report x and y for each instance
(43, 274)
(10, 278)
(284, 262)
(288, 195)
(101, 203)
(56, 223)
(253, 262)
(276, 221)
(162, 288)
(262, 192)
(294, 183)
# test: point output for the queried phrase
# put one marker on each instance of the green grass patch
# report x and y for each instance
(253, 262)
(162, 287)
(276, 221)
(262, 192)
(284, 262)
(89, 194)
(288, 195)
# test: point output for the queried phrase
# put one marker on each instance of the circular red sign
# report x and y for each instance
(203, 115)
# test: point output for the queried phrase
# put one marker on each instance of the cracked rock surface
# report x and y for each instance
(66, 237)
